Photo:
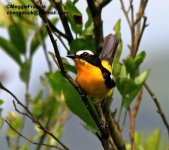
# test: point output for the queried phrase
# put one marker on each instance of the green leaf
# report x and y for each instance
(90, 20)
(123, 72)
(139, 58)
(25, 2)
(39, 36)
(25, 71)
(75, 1)
(88, 32)
(142, 78)
(1, 122)
(133, 88)
(72, 98)
(17, 37)
(132, 64)
(128, 87)
(137, 138)
(25, 147)
(82, 43)
(74, 17)
(10, 49)
(153, 141)
(1, 101)
(6, 19)
(116, 64)
(116, 69)
(15, 122)
(38, 97)
(42, 112)
(68, 66)
(117, 28)
(37, 40)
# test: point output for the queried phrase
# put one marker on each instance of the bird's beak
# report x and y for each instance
(72, 56)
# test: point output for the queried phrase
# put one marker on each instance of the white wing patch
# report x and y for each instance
(111, 77)
(82, 51)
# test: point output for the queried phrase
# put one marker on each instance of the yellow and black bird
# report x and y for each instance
(94, 73)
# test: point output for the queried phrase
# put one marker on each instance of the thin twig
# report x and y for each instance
(125, 13)
(159, 109)
(45, 51)
(61, 66)
(132, 12)
(141, 10)
(26, 105)
(64, 20)
(124, 121)
(133, 114)
(33, 118)
(35, 143)
(22, 113)
(141, 34)
(17, 100)
(56, 30)
(63, 43)
(133, 30)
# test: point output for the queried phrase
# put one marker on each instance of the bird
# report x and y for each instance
(94, 73)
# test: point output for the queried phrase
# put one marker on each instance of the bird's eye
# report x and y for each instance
(85, 54)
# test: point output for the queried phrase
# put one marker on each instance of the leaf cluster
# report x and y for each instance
(57, 96)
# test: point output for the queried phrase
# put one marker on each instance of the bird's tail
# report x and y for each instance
(109, 48)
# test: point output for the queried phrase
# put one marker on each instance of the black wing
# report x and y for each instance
(109, 48)
(108, 78)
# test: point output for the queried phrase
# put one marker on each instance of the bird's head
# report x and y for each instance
(83, 57)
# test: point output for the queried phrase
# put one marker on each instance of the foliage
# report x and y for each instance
(57, 96)
(1, 120)
(151, 142)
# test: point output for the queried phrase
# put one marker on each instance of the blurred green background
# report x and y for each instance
(156, 44)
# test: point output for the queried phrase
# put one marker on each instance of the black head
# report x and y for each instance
(86, 55)
(81, 54)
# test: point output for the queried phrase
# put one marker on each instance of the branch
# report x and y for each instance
(141, 10)
(98, 25)
(133, 114)
(63, 20)
(60, 39)
(35, 143)
(114, 131)
(104, 3)
(159, 109)
(33, 118)
(141, 34)
(68, 35)
(134, 24)
(22, 113)
(56, 30)
(125, 13)
(115, 134)
(17, 100)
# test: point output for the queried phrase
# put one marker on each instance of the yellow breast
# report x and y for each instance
(90, 79)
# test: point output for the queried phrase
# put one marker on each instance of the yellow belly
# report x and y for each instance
(91, 80)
